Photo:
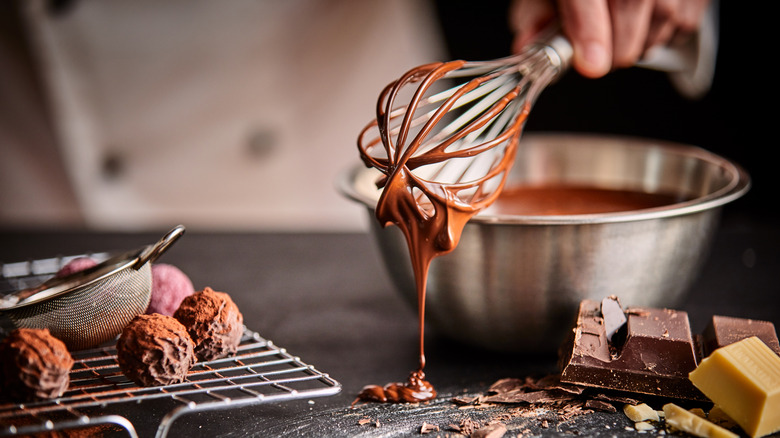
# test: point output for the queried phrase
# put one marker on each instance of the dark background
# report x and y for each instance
(735, 119)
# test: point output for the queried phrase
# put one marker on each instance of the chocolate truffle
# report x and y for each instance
(213, 321)
(76, 265)
(155, 350)
(35, 365)
(169, 287)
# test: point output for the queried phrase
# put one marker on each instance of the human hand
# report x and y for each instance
(607, 34)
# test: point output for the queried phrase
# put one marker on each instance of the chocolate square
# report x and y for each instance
(655, 357)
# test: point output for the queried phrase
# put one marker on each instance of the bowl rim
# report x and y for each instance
(739, 185)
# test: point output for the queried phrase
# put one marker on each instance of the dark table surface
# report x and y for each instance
(326, 298)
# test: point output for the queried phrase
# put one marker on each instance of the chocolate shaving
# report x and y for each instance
(547, 389)
(466, 400)
(614, 398)
(548, 382)
(495, 430)
(553, 381)
(546, 396)
(508, 384)
(600, 405)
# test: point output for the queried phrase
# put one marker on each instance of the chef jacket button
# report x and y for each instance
(262, 142)
(113, 166)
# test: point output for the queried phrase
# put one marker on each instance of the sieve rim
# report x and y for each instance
(79, 280)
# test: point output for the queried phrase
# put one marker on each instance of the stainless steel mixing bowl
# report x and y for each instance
(514, 282)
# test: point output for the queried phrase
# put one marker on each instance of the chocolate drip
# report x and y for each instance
(431, 214)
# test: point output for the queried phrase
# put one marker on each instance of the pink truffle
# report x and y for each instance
(169, 287)
(76, 265)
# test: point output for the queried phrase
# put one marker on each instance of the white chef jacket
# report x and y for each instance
(234, 114)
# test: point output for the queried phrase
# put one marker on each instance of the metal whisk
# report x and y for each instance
(453, 127)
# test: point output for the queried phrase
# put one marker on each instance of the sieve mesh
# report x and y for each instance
(94, 313)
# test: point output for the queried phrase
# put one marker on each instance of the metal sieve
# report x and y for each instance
(88, 308)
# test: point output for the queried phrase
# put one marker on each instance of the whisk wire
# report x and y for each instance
(456, 140)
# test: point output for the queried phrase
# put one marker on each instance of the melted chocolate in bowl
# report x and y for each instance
(561, 199)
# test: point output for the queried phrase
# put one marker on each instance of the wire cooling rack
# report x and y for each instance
(99, 394)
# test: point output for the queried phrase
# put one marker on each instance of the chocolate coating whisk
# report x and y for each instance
(449, 131)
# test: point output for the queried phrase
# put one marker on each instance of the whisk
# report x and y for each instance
(448, 132)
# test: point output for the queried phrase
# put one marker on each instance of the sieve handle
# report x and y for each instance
(152, 252)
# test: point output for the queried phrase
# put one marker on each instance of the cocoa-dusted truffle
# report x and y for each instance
(213, 321)
(155, 350)
(35, 365)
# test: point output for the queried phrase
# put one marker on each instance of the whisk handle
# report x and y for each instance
(152, 252)
(559, 51)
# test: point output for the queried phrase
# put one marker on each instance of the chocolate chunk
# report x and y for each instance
(35, 365)
(614, 318)
(655, 358)
(726, 330)
(214, 323)
(599, 405)
(155, 350)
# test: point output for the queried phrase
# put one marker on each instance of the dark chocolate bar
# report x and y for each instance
(725, 330)
(653, 356)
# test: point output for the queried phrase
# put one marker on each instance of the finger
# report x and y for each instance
(588, 26)
(630, 26)
(663, 23)
(691, 13)
(527, 18)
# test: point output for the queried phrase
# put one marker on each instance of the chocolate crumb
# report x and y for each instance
(495, 430)
(468, 426)
(428, 428)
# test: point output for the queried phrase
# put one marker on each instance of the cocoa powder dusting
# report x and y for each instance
(35, 365)
(214, 323)
(155, 350)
